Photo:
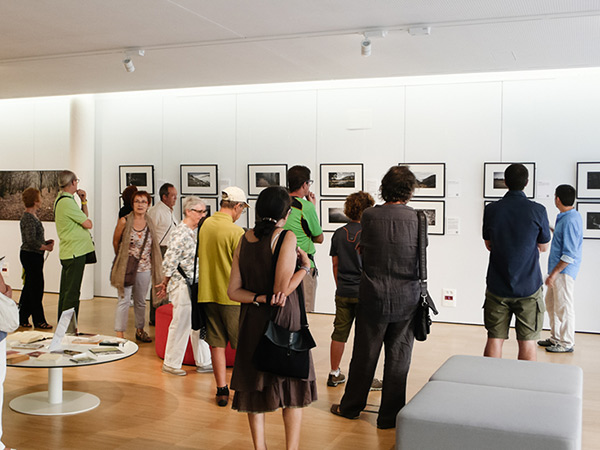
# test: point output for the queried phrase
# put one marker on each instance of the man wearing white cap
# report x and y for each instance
(219, 237)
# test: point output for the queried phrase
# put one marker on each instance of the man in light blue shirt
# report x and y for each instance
(563, 265)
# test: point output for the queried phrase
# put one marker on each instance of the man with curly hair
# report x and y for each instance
(388, 300)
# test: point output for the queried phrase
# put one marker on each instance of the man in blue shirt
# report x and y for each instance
(515, 231)
(563, 265)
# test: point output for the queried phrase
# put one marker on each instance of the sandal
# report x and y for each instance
(335, 409)
(142, 336)
(44, 326)
(25, 325)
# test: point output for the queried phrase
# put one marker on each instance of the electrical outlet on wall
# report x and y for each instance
(4, 265)
(449, 297)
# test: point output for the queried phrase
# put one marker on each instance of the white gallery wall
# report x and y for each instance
(550, 118)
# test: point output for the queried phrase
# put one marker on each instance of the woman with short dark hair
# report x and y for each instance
(32, 258)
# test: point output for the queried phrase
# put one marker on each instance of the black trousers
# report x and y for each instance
(397, 339)
(30, 303)
(71, 277)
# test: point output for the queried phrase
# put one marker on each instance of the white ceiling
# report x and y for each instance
(76, 46)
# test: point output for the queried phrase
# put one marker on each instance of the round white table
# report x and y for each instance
(55, 401)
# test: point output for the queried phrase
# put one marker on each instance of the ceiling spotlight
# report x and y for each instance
(365, 47)
(365, 44)
(128, 63)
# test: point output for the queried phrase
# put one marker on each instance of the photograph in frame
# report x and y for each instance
(251, 213)
(332, 214)
(140, 176)
(201, 179)
(493, 179)
(210, 202)
(590, 215)
(14, 182)
(431, 179)
(341, 180)
(588, 180)
(261, 176)
(435, 210)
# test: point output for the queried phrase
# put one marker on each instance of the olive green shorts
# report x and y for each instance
(222, 324)
(528, 312)
(345, 312)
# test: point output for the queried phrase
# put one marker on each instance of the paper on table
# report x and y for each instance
(61, 328)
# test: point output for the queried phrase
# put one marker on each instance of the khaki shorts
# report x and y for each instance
(222, 324)
(528, 311)
(345, 312)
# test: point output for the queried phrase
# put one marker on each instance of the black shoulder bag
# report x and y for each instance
(422, 321)
(198, 314)
(281, 351)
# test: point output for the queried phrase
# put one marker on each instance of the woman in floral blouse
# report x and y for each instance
(181, 252)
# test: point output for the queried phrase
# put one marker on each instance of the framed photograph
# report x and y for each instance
(14, 182)
(199, 179)
(588, 180)
(435, 210)
(261, 176)
(140, 176)
(332, 214)
(493, 179)
(590, 214)
(431, 179)
(251, 213)
(340, 180)
(212, 205)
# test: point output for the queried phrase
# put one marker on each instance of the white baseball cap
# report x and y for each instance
(234, 194)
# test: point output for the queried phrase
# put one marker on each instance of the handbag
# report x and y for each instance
(422, 321)
(198, 314)
(281, 351)
(133, 263)
(9, 314)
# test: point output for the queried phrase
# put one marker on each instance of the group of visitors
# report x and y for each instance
(271, 273)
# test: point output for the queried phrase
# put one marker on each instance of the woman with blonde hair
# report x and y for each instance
(135, 237)
(32, 258)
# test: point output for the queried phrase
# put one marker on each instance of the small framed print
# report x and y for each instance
(210, 202)
(588, 180)
(199, 179)
(340, 180)
(251, 213)
(590, 214)
(431, 179)
(332, 214)
(140, 176)
(435, 210)
(261, 176)
(493, 179)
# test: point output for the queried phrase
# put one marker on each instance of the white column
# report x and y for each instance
(82, 154)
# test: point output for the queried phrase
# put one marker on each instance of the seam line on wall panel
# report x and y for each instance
(502, 121)
(317, 91)
(404, 131)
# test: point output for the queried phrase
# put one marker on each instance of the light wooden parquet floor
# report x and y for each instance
(143, 408)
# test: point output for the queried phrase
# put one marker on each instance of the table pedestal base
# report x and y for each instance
(37, 404)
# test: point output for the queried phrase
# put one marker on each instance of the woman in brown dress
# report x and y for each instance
(252, 284)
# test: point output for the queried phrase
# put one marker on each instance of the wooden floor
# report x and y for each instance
(141, 407)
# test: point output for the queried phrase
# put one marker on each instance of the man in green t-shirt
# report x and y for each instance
(304, 223)
(75, 241)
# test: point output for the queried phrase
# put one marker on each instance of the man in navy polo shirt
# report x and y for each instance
(515, 231)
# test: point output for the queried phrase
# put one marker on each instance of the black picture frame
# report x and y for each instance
(435, 210)
(199, 179)
(141, 176)
(493, 179)
(261, 176)
(590, 215)
(341, 180)
(588, 180)
(431, 179)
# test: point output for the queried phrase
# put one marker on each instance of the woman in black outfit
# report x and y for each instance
(32, 258)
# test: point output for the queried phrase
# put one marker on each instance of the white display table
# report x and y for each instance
(55, 401)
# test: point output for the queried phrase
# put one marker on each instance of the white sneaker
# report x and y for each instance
(204, 369)
(173, 371)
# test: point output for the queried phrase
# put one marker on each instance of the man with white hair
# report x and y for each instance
(219, 237)
(75, 241)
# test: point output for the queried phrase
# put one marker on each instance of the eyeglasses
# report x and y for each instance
(141, 202)
(199, 211)
(76, 180)
(310, 182)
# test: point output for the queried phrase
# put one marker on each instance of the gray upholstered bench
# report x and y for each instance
(484, 403)
(511, 373)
